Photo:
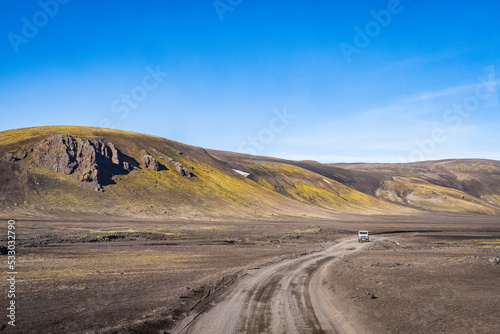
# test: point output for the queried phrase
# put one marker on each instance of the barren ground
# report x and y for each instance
(429, 283)
(114, 276)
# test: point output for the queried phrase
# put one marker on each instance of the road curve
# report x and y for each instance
(285, 297)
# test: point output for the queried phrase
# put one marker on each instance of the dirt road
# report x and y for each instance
(285, 297)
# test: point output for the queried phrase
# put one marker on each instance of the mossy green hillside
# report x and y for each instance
(425, 195)
(275, 187)
(311, 188)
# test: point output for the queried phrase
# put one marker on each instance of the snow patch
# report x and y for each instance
(241, 172)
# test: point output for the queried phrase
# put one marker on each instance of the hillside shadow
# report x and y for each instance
(107, 169)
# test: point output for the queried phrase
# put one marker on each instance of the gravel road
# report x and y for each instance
(286, 297)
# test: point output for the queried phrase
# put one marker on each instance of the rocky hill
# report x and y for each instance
(70, 171)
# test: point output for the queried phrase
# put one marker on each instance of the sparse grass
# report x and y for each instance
(484, 244)
(69, 266)
(24, 135)
(493, 198)
(212, 228)
(314, 189)
(433, 197)
(266, 184)
(464, 167)
(309, 230)
(340, 198)
(55, 274)
(63, 192)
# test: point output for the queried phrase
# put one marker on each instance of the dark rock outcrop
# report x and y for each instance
(95, 160)
(162, 156)
(15, 156)
(183, 171)
(150, 162)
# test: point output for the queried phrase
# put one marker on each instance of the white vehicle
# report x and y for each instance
(363, 236)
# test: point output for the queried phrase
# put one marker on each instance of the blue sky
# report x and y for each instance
(333, 81)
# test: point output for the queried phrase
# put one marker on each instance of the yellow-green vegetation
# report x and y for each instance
(308, 230)
(86, 132)
(50, 274)
(463, 167)
(266, 184)
(263, 168)
(291, 168)
(425, 195)
(484, 245)
(99, 233)
(72, 266)
(311, 188)
(20, 137)
(492, 198)
(275, 168)
(280, 188)
(340, 198)
(211, 228)
(214, 191)
(62, 192)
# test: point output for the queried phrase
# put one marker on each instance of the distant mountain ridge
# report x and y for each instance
(70, 170)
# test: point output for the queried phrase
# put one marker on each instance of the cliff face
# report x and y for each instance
(95, 161)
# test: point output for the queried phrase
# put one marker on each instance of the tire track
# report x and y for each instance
(283, 297)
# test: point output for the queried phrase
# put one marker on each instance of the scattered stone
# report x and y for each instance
(497, 259)
(4, 250)
(370, 295)
(387, 265)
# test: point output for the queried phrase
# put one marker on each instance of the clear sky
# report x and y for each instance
(333, 81)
